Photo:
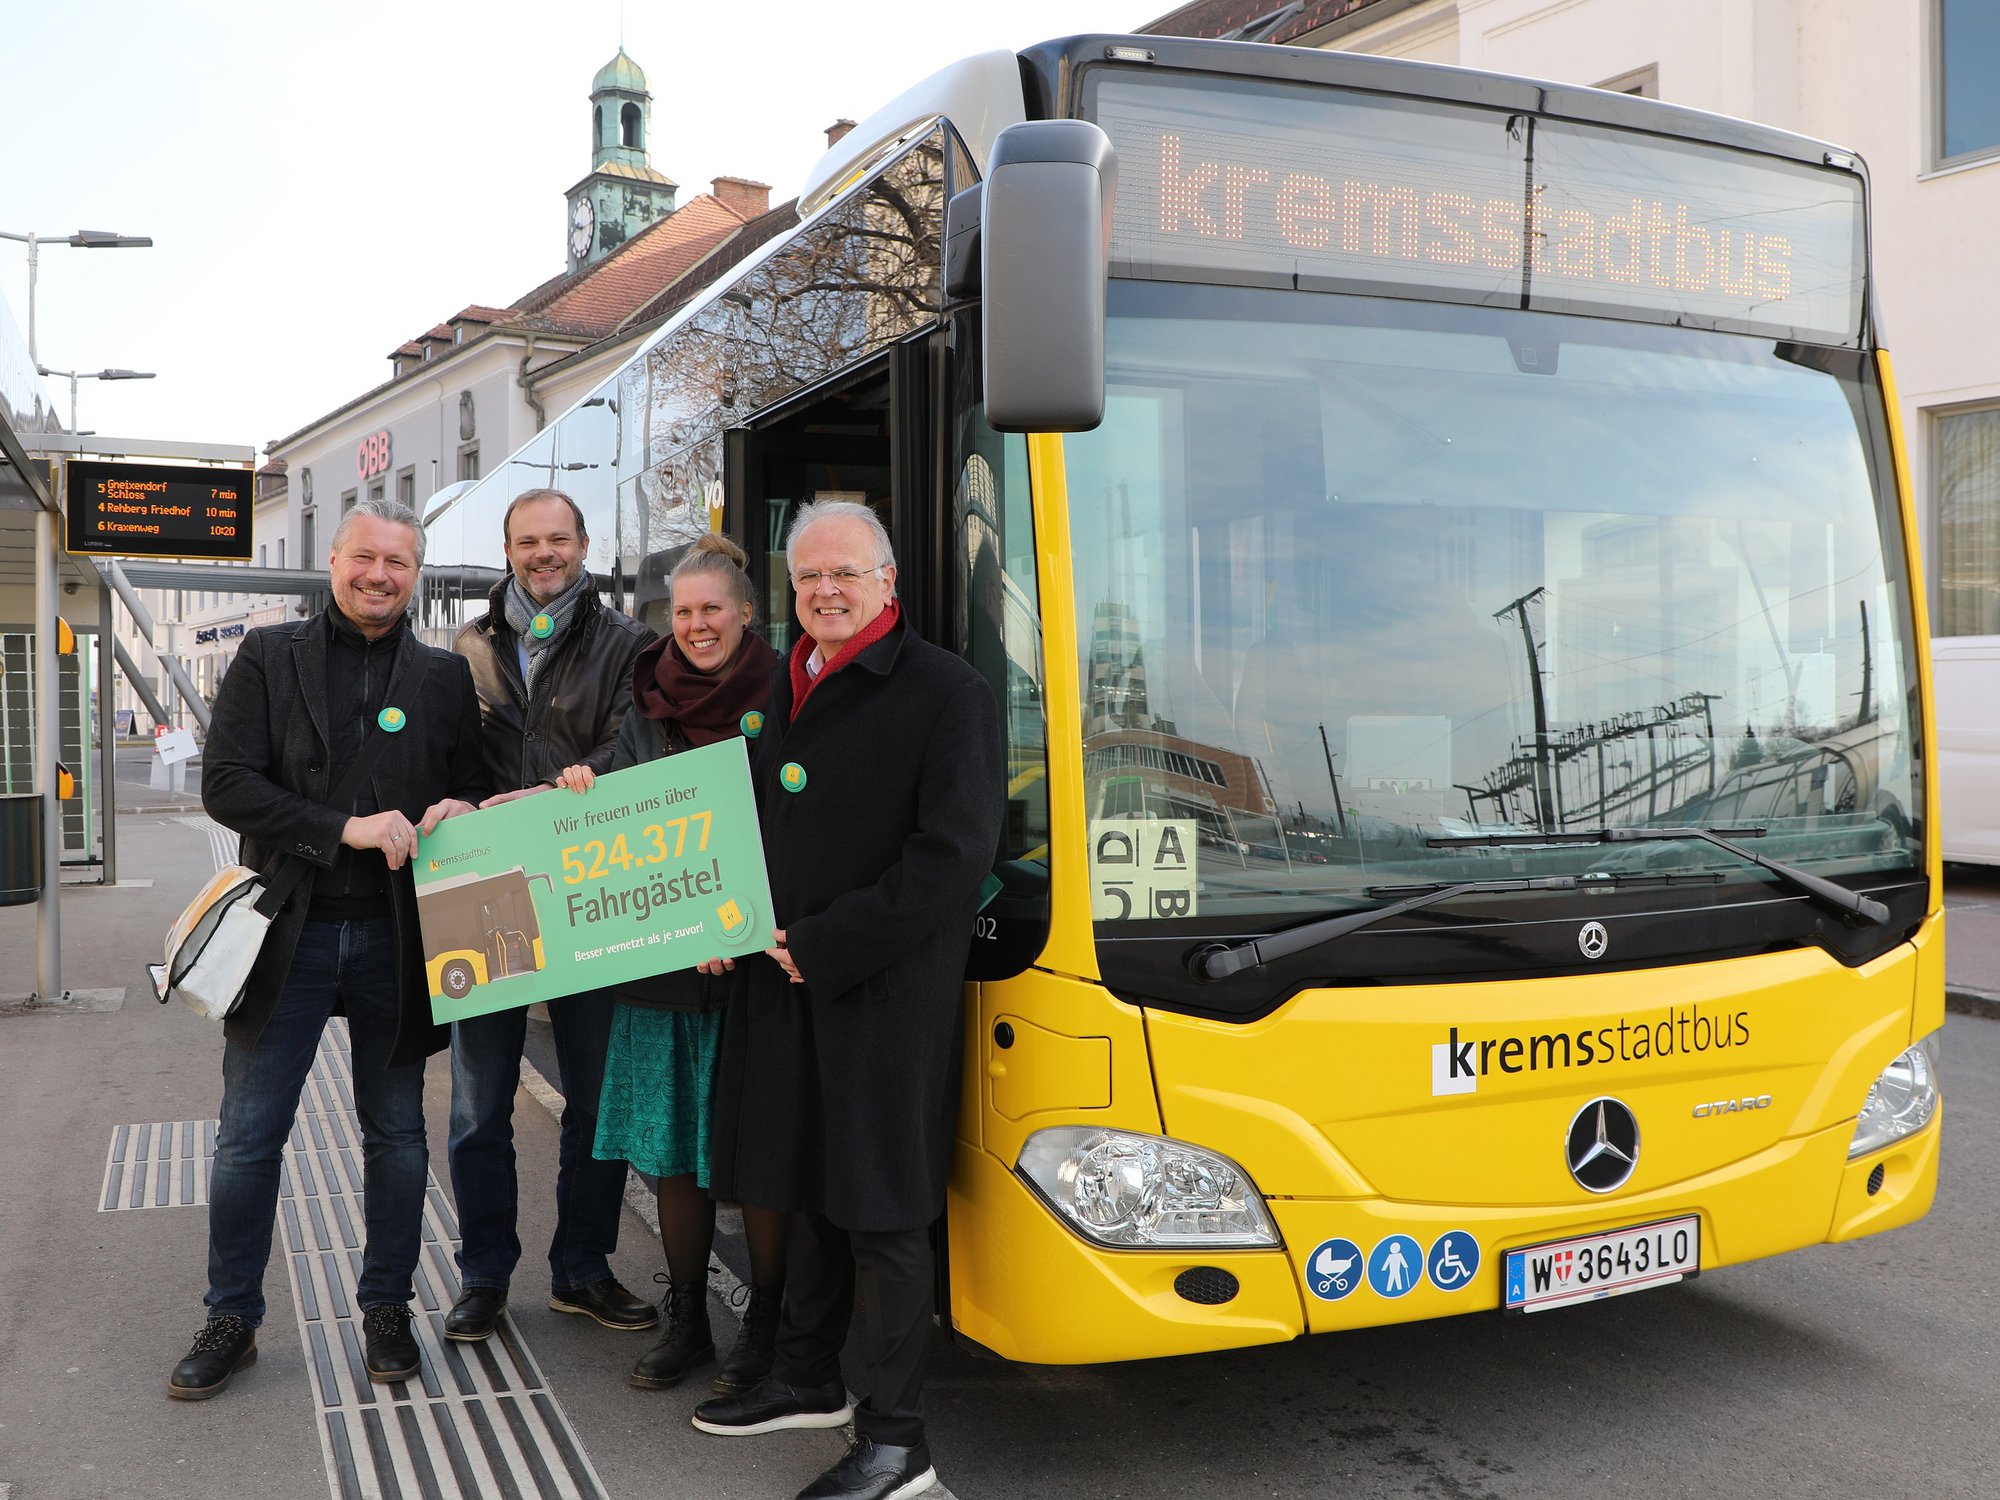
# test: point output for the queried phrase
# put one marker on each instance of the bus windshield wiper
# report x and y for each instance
(1825, 891)
(1220, 960)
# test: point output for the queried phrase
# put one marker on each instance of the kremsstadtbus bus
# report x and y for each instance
(1442, 547)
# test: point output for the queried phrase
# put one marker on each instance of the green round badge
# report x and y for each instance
(542, 627)
(392, 719)
(792, 776)
(752, 724)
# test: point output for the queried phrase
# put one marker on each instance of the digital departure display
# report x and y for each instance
(158, 510)
(1276, 184)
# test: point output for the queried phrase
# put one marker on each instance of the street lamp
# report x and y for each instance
(76, 375)
(83, 239)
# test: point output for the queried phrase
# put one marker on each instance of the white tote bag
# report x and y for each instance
(214, 945)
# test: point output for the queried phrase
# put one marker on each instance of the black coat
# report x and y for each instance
(581, 692)
(839, 1096)
(265, 775)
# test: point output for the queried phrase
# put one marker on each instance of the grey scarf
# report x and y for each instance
(521, 616)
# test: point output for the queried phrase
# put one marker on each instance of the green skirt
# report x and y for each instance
(659, 1090)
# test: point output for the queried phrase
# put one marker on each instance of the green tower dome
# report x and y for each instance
(620, 73)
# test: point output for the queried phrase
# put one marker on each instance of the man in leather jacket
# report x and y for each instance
(553, 667)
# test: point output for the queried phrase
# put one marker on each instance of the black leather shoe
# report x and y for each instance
(391, 1354)
(475, 1314)
(875, 1471)
(608, 1302)
(774, 1406)
(686, 1344)
(225, 1345)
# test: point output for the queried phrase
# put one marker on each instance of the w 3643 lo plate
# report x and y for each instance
(1587, 1267)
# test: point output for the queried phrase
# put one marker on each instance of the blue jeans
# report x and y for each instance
(352, 963)
(590, 1194)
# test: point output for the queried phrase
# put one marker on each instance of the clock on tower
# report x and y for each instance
(583, 222)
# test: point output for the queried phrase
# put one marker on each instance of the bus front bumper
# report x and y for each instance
(1026, 1287)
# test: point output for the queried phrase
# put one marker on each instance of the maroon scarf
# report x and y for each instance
(706, 707)
(803, 682)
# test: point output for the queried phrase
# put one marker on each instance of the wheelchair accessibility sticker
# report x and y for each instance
(1454, 1260)
(1334, 1270)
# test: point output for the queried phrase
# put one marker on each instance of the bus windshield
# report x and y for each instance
(1363, 581)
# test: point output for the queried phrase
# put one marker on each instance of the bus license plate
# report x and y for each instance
(1587, 1267)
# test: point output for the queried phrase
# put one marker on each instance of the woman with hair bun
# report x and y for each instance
(698, 685)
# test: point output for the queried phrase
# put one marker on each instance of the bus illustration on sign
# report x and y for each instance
(480, 929)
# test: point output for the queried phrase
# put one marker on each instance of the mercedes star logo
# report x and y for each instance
(1593, 939)
(1603, 1148)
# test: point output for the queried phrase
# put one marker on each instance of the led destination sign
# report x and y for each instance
(158, 510)
(1338, 191)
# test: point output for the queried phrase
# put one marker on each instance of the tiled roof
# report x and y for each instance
(1224, 18)
(597, 299)
(606, 296)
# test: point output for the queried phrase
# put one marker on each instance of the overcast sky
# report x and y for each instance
(324, 180)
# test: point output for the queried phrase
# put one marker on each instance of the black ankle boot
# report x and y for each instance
(750, 1361)
(685, 1341)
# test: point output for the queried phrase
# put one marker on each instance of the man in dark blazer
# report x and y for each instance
(881, 785)
(296, 708)
(553, 666)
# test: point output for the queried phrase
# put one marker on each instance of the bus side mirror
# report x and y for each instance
(1044, 237)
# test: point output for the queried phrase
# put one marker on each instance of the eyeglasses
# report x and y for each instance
(840, 578)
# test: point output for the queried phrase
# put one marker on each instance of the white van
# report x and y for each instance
(1966, 675)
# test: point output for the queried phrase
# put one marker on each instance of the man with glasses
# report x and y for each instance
(880, 785)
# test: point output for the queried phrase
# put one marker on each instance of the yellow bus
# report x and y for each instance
(479, 929)
(1443, 547)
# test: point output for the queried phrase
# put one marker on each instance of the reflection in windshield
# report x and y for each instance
(642, 453)
(1356, 576)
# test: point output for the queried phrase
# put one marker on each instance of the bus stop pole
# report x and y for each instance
(48, 750)
(107, 737)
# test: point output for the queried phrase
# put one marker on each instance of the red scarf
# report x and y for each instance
(705, 707)
(803, 682)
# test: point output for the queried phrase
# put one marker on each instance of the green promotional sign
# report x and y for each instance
(653, 869)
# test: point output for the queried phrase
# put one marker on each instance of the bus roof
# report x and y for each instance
(983, 94)
(1051, 70)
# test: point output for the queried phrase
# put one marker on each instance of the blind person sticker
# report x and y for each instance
(654, 869)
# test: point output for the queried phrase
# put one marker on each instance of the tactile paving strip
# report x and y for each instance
(158, 1166)
(478, 1420)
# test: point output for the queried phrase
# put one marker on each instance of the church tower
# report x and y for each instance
(622, 194)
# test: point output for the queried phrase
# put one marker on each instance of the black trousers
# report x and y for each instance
(825, 1268)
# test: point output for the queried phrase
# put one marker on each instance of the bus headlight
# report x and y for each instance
(1145, 1192)
(1900, 1102)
